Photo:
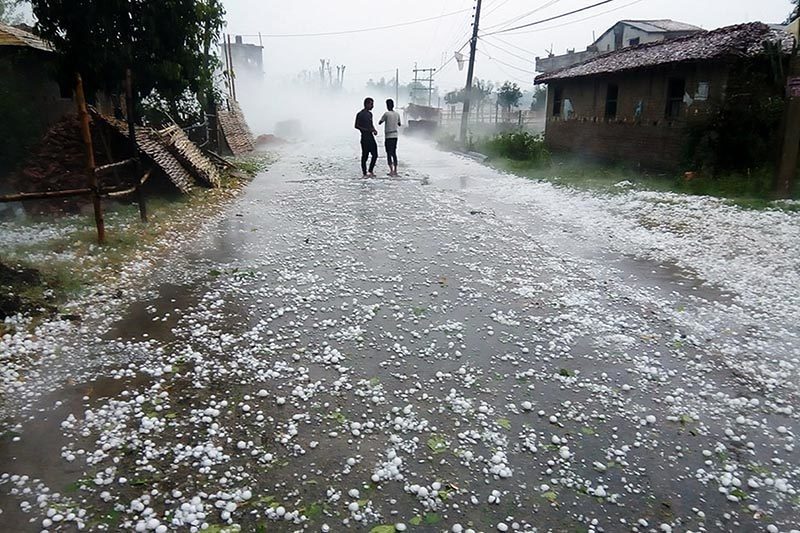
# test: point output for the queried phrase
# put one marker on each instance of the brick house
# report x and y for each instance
(633, 104)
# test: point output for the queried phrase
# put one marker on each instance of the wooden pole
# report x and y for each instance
(473, 44)
(131, 104)
(233, 70)
(86, 133)
(791, 135)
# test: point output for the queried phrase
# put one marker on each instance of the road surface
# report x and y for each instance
(452, 350)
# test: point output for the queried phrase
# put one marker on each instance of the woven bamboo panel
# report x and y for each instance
(155, 150)
(188, 153)
(235, 129)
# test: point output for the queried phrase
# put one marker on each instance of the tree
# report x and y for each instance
(481, 89)
(167, 44)
(508, 95)
(539, 101)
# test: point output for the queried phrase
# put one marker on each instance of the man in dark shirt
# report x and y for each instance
(368, 145)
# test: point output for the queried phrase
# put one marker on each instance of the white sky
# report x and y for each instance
(378, 53)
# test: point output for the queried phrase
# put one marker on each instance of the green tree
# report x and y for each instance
(508, 95)
(539, 101)
(167, 44)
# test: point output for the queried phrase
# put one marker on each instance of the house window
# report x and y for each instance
(676, 88)
(612, 93)
(702, 91)
(557, 96)
(633, 42)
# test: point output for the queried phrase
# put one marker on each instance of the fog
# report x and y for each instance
(430, 44)
(322, 112)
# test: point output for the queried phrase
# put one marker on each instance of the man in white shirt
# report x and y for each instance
(391, 121)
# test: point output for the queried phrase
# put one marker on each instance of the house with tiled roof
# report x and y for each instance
(632, 104)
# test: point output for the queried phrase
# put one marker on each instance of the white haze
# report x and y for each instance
(377, 54)
(322, 113)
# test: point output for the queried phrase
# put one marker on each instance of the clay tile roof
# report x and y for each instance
(742, 40)
(11, 36)
(662, 25)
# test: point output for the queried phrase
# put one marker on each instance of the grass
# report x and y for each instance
(525, 154)
(752, 191)
(71, 264)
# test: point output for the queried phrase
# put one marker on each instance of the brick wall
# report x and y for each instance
(657, 147)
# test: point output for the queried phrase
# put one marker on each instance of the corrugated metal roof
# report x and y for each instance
(662, 25)
(743, 40)
(11, 36)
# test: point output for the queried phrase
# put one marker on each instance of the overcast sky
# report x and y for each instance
(428, 44)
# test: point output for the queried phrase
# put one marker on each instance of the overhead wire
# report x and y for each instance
(548, 19)
(524, 15)
(577, 20)
(506, 64)
(505, 50)
(361, 30)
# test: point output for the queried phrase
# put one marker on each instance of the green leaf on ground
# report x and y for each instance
(432, 518)
(550, 496)
(504, 423)
(437, 444)
(383, 528)
(417, 520)
(566, 372)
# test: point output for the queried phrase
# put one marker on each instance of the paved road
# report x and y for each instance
(455, 349)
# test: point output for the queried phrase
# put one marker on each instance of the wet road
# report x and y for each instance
(451, 350)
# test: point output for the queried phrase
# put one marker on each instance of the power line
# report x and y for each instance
(439, 69)
(578, 20)
(520, 17)
(362, 30)
(551, 18)
(505, 50)
(506, 64)
(498, 6)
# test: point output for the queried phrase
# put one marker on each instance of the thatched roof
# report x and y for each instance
(742, 40)
(235, 129)
(11, 36)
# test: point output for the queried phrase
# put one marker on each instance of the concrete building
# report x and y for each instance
(622, 34)
(632, 104)
(248, 59)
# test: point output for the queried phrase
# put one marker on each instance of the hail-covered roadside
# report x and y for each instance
(456, 350)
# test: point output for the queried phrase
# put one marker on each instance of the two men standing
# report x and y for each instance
(369, 147)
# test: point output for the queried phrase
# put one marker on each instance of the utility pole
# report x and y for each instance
(791, 134)
(473, 44)
(418, 80)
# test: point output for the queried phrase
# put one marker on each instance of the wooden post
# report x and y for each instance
(86, 133)
(232, 69)
(791, 135)
(130, 103)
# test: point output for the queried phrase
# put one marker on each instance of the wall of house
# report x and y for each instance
(640, 131)
(553, 63)
(606, 42)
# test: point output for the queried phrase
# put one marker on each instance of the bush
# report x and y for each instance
(517, 145)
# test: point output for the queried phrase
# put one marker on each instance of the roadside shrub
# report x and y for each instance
(519, 146)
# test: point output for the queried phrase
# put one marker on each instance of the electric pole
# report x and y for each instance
(473, 44)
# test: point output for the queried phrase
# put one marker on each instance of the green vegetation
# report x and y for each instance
(169, 46)
(40, 276)
(517, 146)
